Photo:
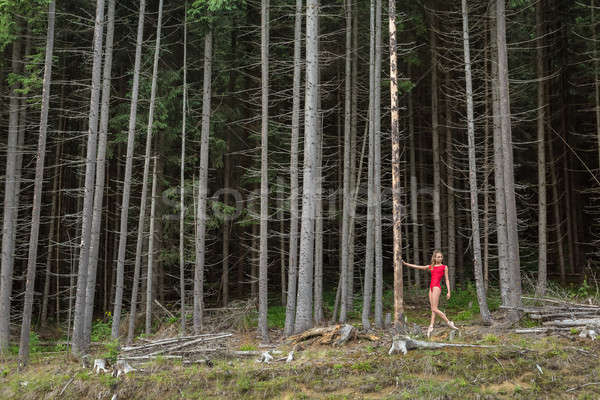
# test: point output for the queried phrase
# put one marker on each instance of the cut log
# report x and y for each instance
(122, 367)
(574, 322)
(404, 343)
(100, 365)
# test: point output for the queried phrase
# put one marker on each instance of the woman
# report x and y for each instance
(437, 269)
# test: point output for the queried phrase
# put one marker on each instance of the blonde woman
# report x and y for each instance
(437, 270)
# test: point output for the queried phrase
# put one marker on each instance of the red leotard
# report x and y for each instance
(436, 275)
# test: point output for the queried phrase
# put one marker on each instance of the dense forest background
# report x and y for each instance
(204, 84)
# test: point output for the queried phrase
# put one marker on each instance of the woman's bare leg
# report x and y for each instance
(434, 297)
(432, 313)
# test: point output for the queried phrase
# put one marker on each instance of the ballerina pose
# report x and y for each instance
(437, 270)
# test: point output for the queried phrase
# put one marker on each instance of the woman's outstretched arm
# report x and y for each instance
(424, 267)
(447, 282)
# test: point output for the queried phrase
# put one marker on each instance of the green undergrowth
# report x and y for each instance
(515, 367)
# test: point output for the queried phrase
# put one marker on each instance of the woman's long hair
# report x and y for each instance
(435, 252)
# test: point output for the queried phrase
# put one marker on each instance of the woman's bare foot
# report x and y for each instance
(429, 330)
(451, 325)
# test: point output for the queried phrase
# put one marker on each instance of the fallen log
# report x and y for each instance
(405, 343)
(574, 322)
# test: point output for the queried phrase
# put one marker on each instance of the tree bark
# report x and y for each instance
(182, 184)
(541, 150)
(79, 345)
(451, 258)
(149, 276)
(304, 302)
(8, 221)
(116, 321)
(264, 176)
(37, 191)
(377, 172)
(144, 194)
(413, 184)
(203, 187)
(437, 223)
(370, 240)
(481, 295)
(100, 178)
(507, 152)
(396, 184)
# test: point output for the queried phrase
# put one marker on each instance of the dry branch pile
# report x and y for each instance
(336, 335)
(185, 347)
(557, 315)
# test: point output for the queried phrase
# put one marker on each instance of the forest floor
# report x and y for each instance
(517, 366)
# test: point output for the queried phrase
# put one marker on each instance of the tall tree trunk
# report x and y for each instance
(304, 302)
(53, 213)
(149, 276)
(437, 222)
(413, 183)
(354, 181)
(37, 191)
(377, 171)
(370, 245)
(264, 176)
(290, 310)
(347, 189)
(481, 296)
(100, 178)
(318, 290)
(396, 184)
(486, 165)
(501, 229)
(79, 342)
(557, 215)
(143, 201)
(596, 81)
(507, 151)
(451, 258)
(182, 183)
(202, 187)
(8, 221)
(541, 149)
(118, 305)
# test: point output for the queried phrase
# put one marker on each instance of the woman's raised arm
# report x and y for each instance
(423, 267)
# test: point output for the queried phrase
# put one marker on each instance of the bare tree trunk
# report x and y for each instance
(396, 184)
(450, 198)
(8, 222)
(501, 229)
(304, 302)
(37, 191)
(596, 81)
(264, 176)
(79, 345)
(100, 178)
(318, 290)
(53, 213)
(149, 275)
(370, 245)
(347, 189)
(486, 166)
(143, 201)
(354, 181)
(413, 184)
(182, 183)
(481, 296)
(541, 161)
(290, 311)
(116, 321)
(509, 185)
(226, 230)
(203, 188)
(377, 171)
(557, 217)
(437, 222)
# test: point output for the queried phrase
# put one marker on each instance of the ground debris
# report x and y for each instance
(336, 335)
